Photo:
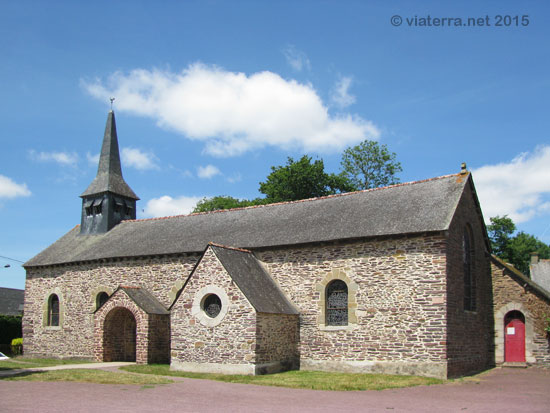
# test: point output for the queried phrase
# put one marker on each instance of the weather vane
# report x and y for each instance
(112, 100)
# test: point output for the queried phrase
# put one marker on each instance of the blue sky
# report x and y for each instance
(209, 95)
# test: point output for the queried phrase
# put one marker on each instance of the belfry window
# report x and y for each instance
(98, 207)
(336, 309)
(88, 207)
(469, 275)
(128, 208)
(53, 310)
(119, 205)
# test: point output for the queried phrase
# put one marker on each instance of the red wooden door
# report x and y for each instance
(514, 340)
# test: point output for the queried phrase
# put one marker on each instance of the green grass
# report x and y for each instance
(25, 363)
(316, 380)
(90, 376)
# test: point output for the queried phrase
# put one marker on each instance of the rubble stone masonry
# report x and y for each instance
(511, 294)
(77, 287)
(399, 304)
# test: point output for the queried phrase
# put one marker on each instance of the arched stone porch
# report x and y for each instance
(132, 326)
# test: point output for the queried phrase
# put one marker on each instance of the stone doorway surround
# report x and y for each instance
(152, 325)
(500, 315)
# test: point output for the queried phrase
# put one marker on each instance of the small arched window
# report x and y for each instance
(469, 275)
(53, 310)
(336, 308)
(101, 299)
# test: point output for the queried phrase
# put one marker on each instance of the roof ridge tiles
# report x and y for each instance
(295, 202)
(227, 247)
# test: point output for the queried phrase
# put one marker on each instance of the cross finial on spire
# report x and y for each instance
(112, 100)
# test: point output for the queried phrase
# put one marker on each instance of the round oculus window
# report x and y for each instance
(212, 305)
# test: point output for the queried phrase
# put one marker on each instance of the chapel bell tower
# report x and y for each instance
(108, 200)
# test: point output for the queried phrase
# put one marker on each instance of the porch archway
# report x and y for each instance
(119, 335)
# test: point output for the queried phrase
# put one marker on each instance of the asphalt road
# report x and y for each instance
(500, 390)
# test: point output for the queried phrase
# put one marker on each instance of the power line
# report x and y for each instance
(12, 259)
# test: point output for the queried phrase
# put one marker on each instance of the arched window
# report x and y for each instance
(336, 309)
(469, 276)
(101, 299)
(53, 310)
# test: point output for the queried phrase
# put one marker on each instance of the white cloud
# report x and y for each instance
(9, 189)
(233, 112)
(340, 94)
(207, 172)
(296, 58)
(168, 206)
(135, 158)
(519, 188)
(62, 158)
(92, 159)
(233, 179)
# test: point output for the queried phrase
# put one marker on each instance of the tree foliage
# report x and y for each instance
(224, 202)
(515, 249)
(302, 179)
(370, 165)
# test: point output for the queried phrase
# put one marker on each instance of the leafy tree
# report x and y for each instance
(515, 249)
(500, 231)
(302, 179)
(224, 202)
(370, 165)
(522, 246)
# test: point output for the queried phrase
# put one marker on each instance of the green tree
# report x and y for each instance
(500, 231)
(224, 202)
(302, 179)
(520, 248)
(370, 165)
(515, 249)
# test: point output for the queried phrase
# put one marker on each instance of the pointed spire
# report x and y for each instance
(109, 173)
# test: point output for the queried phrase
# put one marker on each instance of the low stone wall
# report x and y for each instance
(277, 338)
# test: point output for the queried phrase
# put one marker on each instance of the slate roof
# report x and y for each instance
(540, 273)
(253, 280)
(417, 207)
(109, 173)
(521, 278)
(11, 301)
(145, 300)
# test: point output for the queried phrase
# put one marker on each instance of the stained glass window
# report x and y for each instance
(212, 305)
(337, 304)
(53, 310)
(469, 277)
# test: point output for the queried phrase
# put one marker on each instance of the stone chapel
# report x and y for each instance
(394, 280)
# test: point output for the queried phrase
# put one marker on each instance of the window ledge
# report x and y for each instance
(349, 327)
(52, 328)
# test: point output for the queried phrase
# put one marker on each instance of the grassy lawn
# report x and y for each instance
(90, 376)
(153, 374)
(25, 363)
(316, 380)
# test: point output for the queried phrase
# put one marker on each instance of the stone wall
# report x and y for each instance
(226, 343)
(277, 338)
(469, 333)
(510, 293)
(77, 287)
(400, 303)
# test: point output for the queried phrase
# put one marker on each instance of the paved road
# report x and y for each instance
(500, 390)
